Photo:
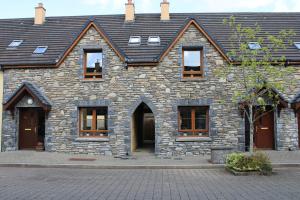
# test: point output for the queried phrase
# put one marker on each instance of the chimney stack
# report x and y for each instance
(165, 14)
(129, 11)
(40, 13)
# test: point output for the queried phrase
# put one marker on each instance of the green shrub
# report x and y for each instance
(245, 163)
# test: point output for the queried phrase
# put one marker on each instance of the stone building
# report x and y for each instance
(115, 84)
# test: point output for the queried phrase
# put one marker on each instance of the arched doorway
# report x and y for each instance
(143, 129)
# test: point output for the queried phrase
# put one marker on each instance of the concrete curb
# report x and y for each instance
(82, 166)
(88, 166)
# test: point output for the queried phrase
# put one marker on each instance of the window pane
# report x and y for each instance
(86, 118)
(200, 118)
(101, 118)
(93, 62)
(185, 118)
(192, 58)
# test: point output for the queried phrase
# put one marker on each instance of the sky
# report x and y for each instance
(25, 8)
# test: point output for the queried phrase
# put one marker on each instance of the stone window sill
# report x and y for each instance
(193, 79)
(193, 139)
(90, 80)
(103, 139)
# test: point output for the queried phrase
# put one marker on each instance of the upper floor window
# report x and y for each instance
(193, 120)
(15, 43)
(254, 45)
(40, 50)
(134, 40)
(297, 45)
(93, 122)
(93, 64)
(193, 62)
(154, 40)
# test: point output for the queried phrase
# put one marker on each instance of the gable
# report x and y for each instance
(83, 33)
(188, 25)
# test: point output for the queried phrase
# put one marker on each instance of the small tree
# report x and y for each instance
(257, 71)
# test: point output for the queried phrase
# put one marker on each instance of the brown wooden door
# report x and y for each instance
(264, 131)
(28, 129)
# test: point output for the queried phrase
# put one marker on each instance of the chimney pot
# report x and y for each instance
(40, 14)
(129, 11)
(165, 13)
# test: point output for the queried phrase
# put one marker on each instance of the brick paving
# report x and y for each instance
(140, 184)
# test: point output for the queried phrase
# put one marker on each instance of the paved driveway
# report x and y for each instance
(39, 183)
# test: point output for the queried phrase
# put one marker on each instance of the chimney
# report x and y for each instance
(40, 13)
(165, 14)
(129, 11)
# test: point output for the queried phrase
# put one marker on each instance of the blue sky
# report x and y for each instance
(25, 8)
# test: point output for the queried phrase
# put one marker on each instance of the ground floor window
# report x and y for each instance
(93, 122)
(193, 120)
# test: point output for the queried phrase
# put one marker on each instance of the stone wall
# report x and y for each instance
(287, 130)
(161, 87)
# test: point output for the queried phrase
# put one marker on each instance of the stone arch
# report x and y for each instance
(131, 122)
(145, 100)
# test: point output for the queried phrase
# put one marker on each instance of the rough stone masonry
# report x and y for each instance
(161, 87)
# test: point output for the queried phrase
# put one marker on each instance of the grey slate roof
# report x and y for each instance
(34, 90)
(58, 33)
(297, 98)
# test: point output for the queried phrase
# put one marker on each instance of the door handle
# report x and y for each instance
(27, 129)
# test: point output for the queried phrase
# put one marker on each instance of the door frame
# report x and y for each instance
(274, 122)
(39, 111)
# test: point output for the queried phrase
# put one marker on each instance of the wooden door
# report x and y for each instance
(28, 128)
(264, 131)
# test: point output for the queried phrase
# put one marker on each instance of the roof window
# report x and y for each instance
(254, 45)
(15, 43)
(297, 45)
(40, 50)
(134, 40)
(154, 40)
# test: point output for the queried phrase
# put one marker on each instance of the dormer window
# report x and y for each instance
(254, 45)
(154, 40)
(15, 43)
(134, 40)
(93, 64)
(40, 50)
(193, 63)
(297, 45)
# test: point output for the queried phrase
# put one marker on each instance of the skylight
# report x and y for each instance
(134, 40)
(297, 45)
(154, 40)
(15, 43)
(254, 45)
(40, 50)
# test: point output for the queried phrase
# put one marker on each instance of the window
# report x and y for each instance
(192, 62)
(134, 40)
(193, 121)
(93, 64)
(93, 122)
(254, 45)
(40, 50)
(154, 40)
(15, 43)
(297, 45)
